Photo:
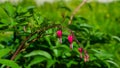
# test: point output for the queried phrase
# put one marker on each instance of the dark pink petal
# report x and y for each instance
(70, 39)
(80, 50)
(59, 33)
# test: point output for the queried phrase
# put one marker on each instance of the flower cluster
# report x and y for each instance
(86, 56)
(70, 40)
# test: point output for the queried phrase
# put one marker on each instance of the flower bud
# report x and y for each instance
(80, 50)
(70, 39)
(59, 35)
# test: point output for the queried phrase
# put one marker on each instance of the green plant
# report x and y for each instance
(29, 38)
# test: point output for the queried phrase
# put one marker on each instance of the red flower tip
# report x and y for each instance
(80, 50)
(70, 39)
(59, 33)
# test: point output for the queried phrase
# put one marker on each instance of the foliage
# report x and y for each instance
(35, 28)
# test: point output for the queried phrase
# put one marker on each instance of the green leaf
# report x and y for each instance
(98, 64)
(112, 62)
(116, 38)
(65, 8)
(3, 52)
(61, 50)
(102, 54)
(21, 10)
(9, 63)
(92, 57)
(3, 14)
(30, 8)
(47, 38)
(73, 27)
(39, 52)
(71, 62)
(85, 26)
(68, 54)
(63, 47)
(50, 63)
(1, 46)
(10, 9)
(107, 64)
(5, 21)
(55, 52)
(36, 59)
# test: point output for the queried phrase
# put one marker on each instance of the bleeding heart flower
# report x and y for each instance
(59, 35)
(70, 40)
(86, 56)
(80, 50)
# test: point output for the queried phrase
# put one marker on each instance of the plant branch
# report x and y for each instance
(27, 38)
(76, 10)
(71, 17)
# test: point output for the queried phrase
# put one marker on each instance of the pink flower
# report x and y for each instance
(80, 50)
(86, 56)
(59, 35)
(70, 40)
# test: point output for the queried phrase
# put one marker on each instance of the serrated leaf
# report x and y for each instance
(9, 63)
(39, 52)
(3, 52)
